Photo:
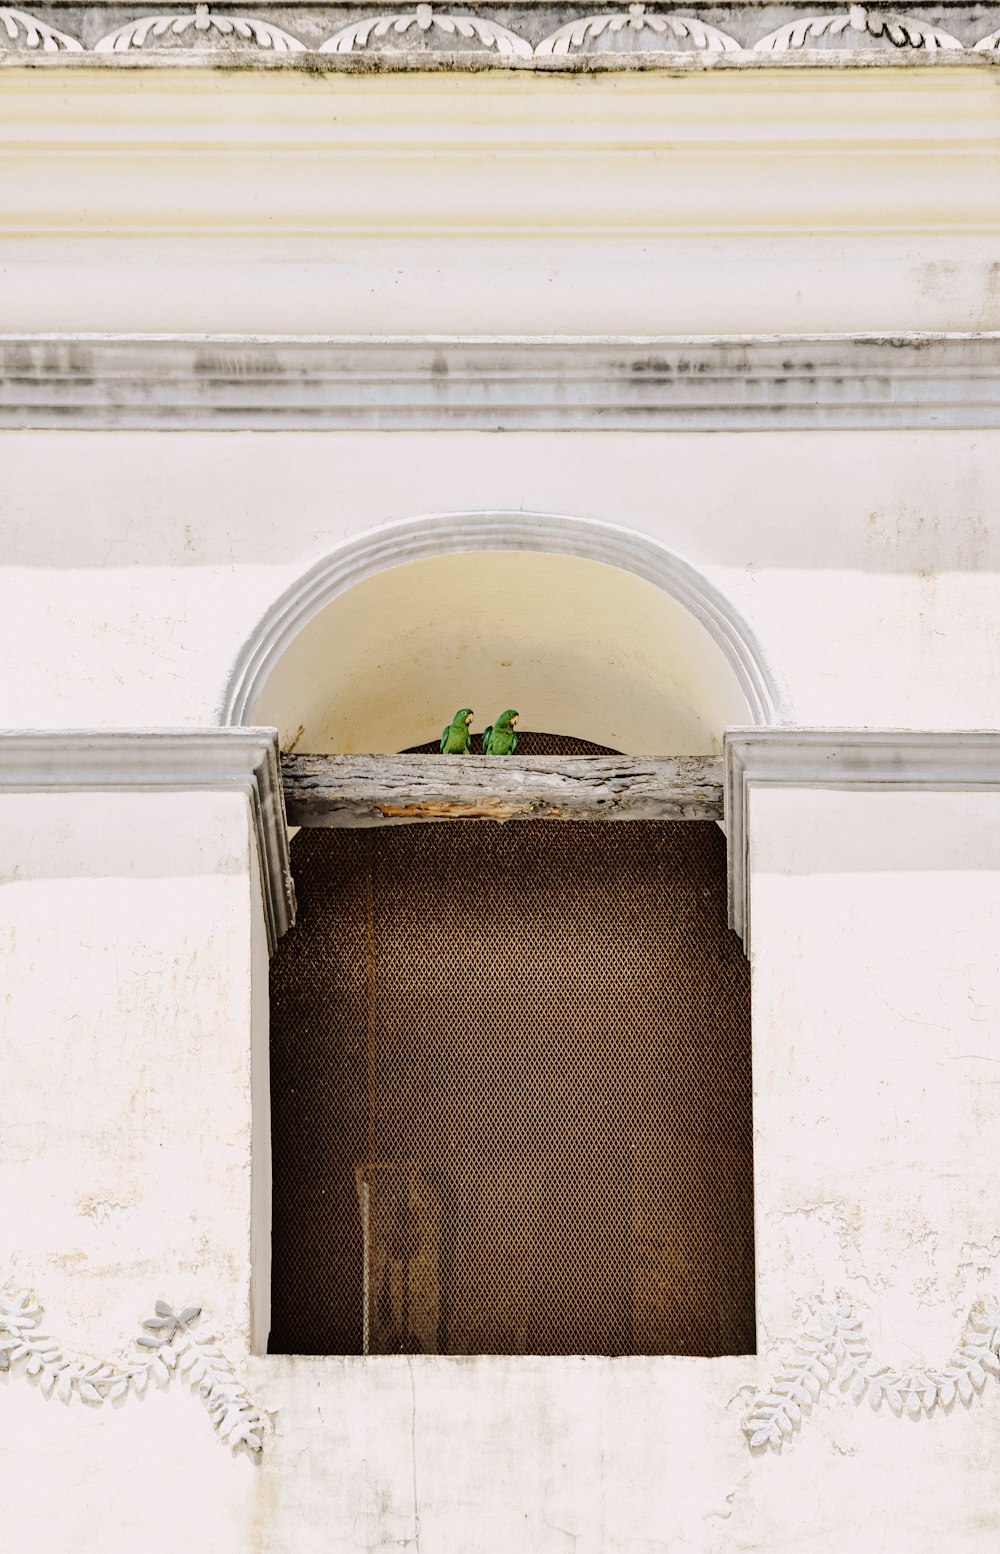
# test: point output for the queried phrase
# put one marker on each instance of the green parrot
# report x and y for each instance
(501, 737)
(455, 738)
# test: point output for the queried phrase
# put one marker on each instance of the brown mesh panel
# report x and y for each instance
(528, 743)
(511, 1085)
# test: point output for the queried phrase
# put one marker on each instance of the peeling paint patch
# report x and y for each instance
(103, 1211)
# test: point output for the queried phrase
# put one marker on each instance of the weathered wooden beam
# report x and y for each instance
(378, 790)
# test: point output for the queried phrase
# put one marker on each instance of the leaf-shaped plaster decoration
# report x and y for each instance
(167, 1347)
(205, 22)
(835, 1348)
(424, 19)
(666, 28)
(902, 31)
(18, 30)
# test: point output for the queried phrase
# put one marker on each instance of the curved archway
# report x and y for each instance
(564, 575)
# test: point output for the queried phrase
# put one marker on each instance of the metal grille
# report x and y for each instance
(528, 743)
(511, 1096)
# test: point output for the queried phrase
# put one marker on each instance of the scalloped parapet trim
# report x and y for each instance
(903, 32)
(373, 29)
(167, 1348)
(667, 30)
(542, 33)
(150, 30)
(835, 1349)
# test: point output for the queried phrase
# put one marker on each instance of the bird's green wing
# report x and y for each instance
(513, 744)
(444, 737)
(486, 738)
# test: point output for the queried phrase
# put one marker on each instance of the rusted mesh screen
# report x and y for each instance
(511, 1094)
(528, 743)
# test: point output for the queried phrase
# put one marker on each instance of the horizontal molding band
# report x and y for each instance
(492, 159)
(639, 383)
(472, 63)
(167, 761)
(879, 760)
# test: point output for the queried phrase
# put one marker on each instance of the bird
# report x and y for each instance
(500, 738)
(455, 737)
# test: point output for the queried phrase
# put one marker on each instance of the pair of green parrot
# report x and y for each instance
(500, 738)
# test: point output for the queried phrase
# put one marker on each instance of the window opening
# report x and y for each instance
(511, 1093)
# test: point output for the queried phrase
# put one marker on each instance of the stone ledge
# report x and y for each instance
(712, 383)
(880, 760)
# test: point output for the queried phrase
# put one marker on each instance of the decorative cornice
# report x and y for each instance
(836, 1349)
(167, 760)
(882, 760)
(484, 158)
(167, 1348)
(614, 383)
(521, 34)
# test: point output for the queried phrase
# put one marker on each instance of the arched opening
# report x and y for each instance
(510, 1064)
(598, 631)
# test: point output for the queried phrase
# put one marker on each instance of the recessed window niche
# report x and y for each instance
(511, 1094)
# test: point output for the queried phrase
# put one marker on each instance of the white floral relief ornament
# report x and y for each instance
(835, 1349)
(903, 32)
(19, 30)
(194, 29)
(359, 35)
(699, 35)
(168, 1348)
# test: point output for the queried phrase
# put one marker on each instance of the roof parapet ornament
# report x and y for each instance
(475, 28)
(19, 30)
(231, 29)
(904, 32)
(568, 34)
(668, 26)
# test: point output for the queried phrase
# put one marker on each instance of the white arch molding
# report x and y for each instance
(366, 556)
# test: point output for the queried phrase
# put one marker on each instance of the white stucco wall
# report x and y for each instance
(125, 1167)
(783, 200)
(126, 922)
(126, 1041)
(876, 988)
(136, 564)
(489, 203)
